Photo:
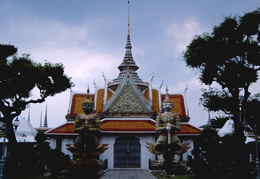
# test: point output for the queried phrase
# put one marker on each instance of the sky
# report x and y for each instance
(88, 37)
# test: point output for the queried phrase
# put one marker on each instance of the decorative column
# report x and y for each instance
(105, 91)
(95, 98)
(159, 97)
(151, 91)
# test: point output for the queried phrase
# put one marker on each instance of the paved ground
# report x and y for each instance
(128, 174)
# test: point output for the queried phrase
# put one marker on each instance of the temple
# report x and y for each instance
(128, 107)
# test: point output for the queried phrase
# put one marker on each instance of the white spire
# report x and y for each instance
(29, 113)
(45, 124)
(41, 119)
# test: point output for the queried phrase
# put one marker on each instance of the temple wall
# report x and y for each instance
(185, 155)
(63, 146)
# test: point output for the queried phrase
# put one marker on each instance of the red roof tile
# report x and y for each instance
(77, 100)
(124, 126)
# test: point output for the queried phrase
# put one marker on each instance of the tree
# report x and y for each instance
(218, 121)
(229, 56)
(19, 77)
(216, 156)
(252, 112)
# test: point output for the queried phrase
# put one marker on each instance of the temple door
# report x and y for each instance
(127, 152)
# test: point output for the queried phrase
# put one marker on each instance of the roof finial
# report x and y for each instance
(128, 18)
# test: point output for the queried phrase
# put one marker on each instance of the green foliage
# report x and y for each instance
(217, 100)
(40, 138)
(19, 76)
(252, 112)
(228, 56)
(218, 122)
(46, 159)
(217, 157)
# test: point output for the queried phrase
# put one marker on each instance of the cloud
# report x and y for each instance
(48, 34)
(181, 34)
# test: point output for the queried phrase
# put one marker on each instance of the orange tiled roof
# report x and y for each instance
(187, 129)
(77, 100)
(124, 125)
(65, 129)
(76, 104)
(178, 104)
(128, 125)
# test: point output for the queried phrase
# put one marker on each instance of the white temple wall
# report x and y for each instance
(185, 155)
(109, 153)
(52, 143)
(63, 146)
(64, 141)
(145, 153)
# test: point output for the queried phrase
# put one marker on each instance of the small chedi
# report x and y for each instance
(168, 147)
(86, 148)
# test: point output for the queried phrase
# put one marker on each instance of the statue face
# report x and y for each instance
(167, 107)
(87, 107)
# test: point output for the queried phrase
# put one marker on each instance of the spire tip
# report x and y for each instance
(128, 19)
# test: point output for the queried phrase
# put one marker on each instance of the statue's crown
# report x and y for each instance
(88, 100)
(167, 99)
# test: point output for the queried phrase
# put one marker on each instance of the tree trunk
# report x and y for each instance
(240, 161)
(12, 149)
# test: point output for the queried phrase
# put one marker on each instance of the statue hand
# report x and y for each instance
(168, 127)
(86, 128)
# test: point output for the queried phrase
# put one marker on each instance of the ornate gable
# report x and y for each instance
(127, 102)
(128, 99)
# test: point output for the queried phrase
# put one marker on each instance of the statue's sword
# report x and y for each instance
(169, 132)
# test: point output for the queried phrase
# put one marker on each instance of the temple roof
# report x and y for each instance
(77, 99)
(124, 125)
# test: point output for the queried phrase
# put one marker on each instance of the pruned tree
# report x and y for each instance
(230, 57)
(19, 77)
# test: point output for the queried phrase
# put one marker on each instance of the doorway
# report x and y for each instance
(127, 152)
